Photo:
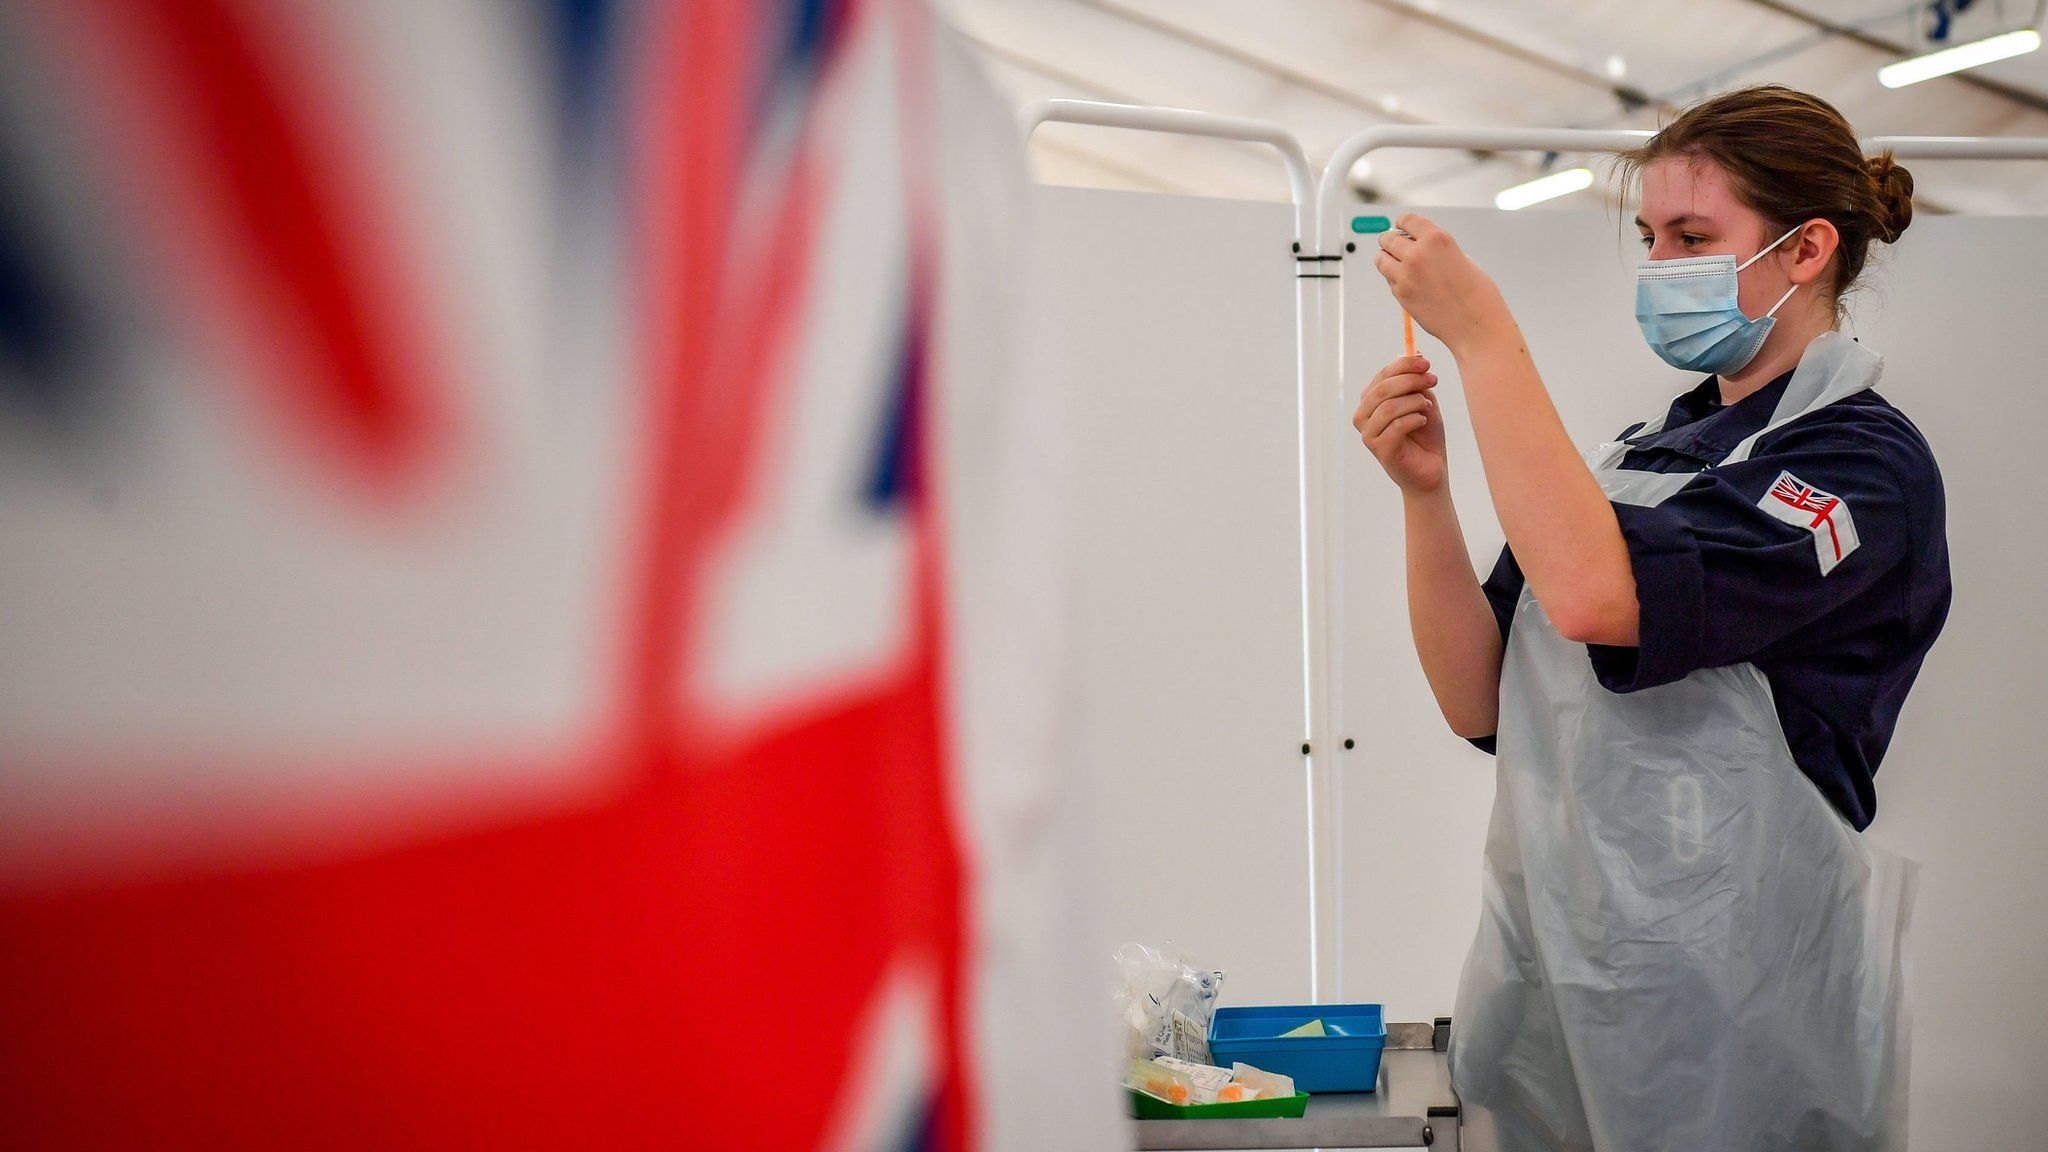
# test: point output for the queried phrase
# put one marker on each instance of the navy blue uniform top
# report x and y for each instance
(1730, 569)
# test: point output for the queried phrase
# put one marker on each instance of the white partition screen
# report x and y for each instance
(1174, 319)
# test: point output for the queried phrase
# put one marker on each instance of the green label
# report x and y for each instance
(1367, 225)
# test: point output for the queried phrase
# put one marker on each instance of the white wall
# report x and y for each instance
(1176, 319)
(1964, 789)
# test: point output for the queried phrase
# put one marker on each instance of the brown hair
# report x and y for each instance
(1791, 157)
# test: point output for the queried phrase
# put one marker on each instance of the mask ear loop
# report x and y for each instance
(1772, 247)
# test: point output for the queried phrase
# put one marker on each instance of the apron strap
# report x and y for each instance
(1605, 456)
(1832, 368)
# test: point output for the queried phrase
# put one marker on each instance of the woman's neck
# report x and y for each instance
(1781, 351)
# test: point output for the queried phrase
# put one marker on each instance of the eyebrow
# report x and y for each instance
(1676, 221)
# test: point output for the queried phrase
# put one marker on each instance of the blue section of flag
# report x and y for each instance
(892, 477)
(38, 319)
(930, 1133)
(801, 35)
(812, 24)
(581, 34)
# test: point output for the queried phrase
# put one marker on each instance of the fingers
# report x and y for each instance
(1412, 236)
(1402, 428)
(1403, 365)
(1405, 376)
(1408, 232)
(1374, 413)
(1402, 384)
(1396, 417)
(1393, 388)
(1419, 227)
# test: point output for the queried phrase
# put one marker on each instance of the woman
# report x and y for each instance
(1689, 660)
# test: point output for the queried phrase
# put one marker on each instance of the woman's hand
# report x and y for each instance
(1440, 286)
(1399, 420)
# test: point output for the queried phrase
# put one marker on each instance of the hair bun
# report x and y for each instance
(1894, 196)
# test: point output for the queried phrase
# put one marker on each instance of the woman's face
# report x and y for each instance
(1688, 209)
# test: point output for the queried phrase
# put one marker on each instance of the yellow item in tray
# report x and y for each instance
(1166, 1083)
(1182, 1083)
(1312, 1028)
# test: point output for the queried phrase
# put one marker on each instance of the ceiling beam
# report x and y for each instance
(1100, 91)
(2021, 96)
(1625, 95)
(1252, 60)
(1092, 156)
(1349, 96)
(1033, 64)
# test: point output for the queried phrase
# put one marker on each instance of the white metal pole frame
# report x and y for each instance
(1959, 147)
(1316, 301)
(1301, 181)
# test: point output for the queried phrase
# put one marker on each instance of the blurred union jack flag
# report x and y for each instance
(481, 659)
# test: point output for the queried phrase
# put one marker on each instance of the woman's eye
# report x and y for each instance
(1691, 240)
(1647, 240)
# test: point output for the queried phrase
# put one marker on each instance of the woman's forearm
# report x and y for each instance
(1557, 520)
(1456, 635)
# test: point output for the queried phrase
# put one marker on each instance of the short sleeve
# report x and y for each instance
(1752, 558)
(1503, 590)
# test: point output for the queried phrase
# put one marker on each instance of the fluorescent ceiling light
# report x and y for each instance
(1544, 188)
(1955, 59)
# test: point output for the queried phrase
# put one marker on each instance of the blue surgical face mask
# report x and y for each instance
(1688, 312)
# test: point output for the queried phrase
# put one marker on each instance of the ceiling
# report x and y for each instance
(1325, 69)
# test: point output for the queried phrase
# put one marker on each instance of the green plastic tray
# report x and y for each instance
(1149, 1107)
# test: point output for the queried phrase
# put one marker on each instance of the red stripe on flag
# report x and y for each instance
(229, 133)
(692, 147)
(834, 856)
(844, 857)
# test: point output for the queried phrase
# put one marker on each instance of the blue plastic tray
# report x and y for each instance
(1346, 1060)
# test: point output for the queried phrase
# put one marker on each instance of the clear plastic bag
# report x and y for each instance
(1165, 1002)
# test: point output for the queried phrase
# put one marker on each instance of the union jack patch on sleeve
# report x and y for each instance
(1822, 513)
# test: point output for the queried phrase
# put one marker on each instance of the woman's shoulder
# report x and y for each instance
(1864, 447)
(1868, 425)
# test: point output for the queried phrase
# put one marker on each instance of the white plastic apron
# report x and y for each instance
(1682, 945)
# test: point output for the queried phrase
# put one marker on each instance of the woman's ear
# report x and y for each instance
(1812, 250)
